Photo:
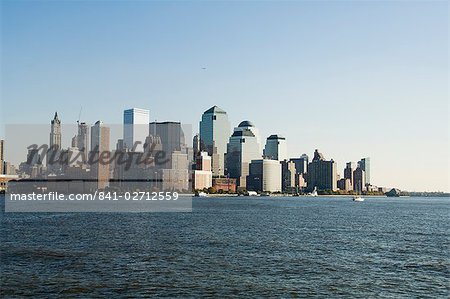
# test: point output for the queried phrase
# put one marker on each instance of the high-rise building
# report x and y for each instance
(196, 145)
(322, 174)
(55, 133)
(2, 154)
(135, 128)
(365, 165)
(214, 134)
(348, 172)
(242, 148)
(301, 164)
(276, 148)
(54, 151)
(264, 176)
(171, 134)
(100, 135)
(202, 174)
(250, 126)
(81, 141)
(288, 175)
(359, 180)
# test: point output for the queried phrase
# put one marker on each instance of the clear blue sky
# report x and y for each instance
(352, 79)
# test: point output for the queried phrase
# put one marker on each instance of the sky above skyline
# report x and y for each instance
(353, 79)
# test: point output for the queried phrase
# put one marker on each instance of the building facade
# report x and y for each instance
(214, 134)
(276, 148)
(135, 128)
(322, 174)
(264, 176)
(242, 147)
(100, 136)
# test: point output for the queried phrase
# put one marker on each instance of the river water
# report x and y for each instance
(234, 247)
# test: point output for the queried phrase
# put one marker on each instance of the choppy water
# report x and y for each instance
(236, 247)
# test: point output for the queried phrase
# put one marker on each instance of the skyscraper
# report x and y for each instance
(242, 147)
(54, 151)
(365, 165)
(322, 174)
(276, 148)
(55, 133)
(288, 175)
(82, 140)
(348, 172)
(100, 135)
(2, 155)
(359, 180)
(135, 127)
(301, 164)
(171, 134)
(250, 126)
(214, 133)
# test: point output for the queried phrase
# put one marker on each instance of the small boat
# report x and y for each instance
(314, 193)
(201, 194)
(358, 198)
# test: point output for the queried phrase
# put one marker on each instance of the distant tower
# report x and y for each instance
(55, 133)
(135, 127)
(365, 165)
(276, 148)
(242, 148)
(214, 134)
(100, 135)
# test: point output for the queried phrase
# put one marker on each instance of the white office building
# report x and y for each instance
(265, 176)
(135, 128)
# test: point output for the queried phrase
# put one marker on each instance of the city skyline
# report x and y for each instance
(381, 95)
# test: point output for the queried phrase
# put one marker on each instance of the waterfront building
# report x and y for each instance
(242, 147)
(202, 176)
(2, 155)
(322, 174)
(288, 175)
(224, 185)
(177, 177)
(276, 148)
(364, 163)
(264, 176)
(171, 135)
(100, 135)
(348, 172)
(359, 180)
(301, 164)
(344, 184)
(214, 134)
(135, 128)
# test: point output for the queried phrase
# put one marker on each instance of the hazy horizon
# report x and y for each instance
(352, 79)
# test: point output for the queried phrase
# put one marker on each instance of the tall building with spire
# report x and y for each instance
(54, 150)
(55, 133)
(214, 133)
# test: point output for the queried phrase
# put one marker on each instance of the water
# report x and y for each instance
(234, 247)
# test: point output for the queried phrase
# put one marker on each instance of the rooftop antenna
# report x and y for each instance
(79, 115)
